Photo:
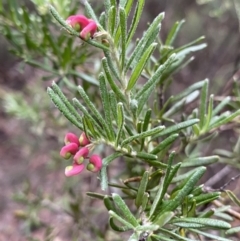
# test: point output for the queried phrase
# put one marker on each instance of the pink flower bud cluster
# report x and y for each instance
(87, 27)
(79, 149)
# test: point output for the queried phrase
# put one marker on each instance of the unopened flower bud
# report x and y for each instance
(89, 30)
(77, 22)
(69, 150)
(81, 155)
(83, 140)
(95, 164)
(71, 138)
(73, 170)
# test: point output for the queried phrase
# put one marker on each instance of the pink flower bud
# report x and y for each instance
(78, 22)
(80, 155)
(89, 30)
(73, 170)
(95, 164)
(83, 140)
(71, 138)
(69, 150)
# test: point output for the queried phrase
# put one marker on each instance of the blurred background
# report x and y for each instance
(37, 202)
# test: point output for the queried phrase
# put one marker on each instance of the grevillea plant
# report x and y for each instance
(143, 129)
(161, 138)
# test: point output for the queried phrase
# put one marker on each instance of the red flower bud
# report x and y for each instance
(78, 22)
(95, 164)
(69, 150)
(80, 155)
(73, 170)
(83, 140)
(89, 30)
(71, 138)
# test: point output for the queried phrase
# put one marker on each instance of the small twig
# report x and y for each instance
(218, 176)
(229, 211)
(230, 181)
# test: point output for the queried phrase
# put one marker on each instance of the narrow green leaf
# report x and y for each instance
(135, 21)
(107, 5)
(144, 155)
(167, 179)
(233, 197)
(164, 184)
(144, 201)
(207, 214)
(142, 189)
(173, 32)
(93, 109)
(106, 104)
(111, 64)
(122, 3)
(221, 105)
(140, 66)
(89, 126)
(108, 202)
(113, 104)
(112, 19)
(123, 208)
(147, 227)
(107, 160)
(117, 228)
(104, 178)
(144, 100)
(200, 161)
(63, 109)
(156, 200)
(189, 44)
(121, 220)
(207, 222)
(183, 176)
(58, 91)
(102, 20)
(148, 38)
(177, 127)
(206, 198)
(120, 122)
(164, 144)
(226, 120)
(123, 25)
(146, 124)
(233, 230)
(184, 52)
(203, 104)
(189, 225)
(156, 76)
(146, 120)
(91, 13)
(62, 21)
(189, 185)
(126, 5)
(188, 91)
(165, 218)
(87, 114)
(211, 236)
(175, 108)
(85, 77)
(96, 195)
(144, 134)
(173, 235)
(103, 174)
(110, 80)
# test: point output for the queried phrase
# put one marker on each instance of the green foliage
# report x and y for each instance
(160, 139)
